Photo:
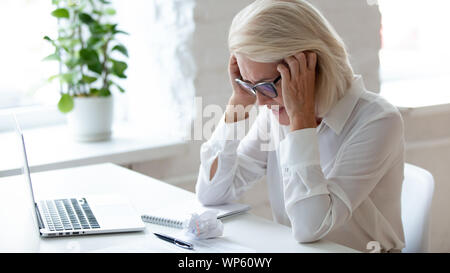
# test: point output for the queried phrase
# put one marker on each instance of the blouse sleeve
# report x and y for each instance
(240, 162)
(316, 204)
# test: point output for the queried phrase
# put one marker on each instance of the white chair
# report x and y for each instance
(417, 193)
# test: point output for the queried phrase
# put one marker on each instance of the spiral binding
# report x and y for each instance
(162, 221)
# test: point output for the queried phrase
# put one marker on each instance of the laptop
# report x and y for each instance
(80, 215)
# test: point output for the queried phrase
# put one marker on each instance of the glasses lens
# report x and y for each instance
(247, 87)
(267, 90)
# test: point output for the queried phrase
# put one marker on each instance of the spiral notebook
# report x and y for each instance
(174, 216)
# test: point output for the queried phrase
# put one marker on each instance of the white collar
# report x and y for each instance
(340, 112)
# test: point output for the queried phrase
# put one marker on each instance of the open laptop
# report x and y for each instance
(80, 215)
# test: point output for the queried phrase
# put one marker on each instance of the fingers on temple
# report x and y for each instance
(294, 65)
(284, 70)
(312, 60)
(301, 58)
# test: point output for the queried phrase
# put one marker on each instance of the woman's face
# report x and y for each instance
(254, 73)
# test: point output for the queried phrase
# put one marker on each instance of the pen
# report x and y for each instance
(174, 241)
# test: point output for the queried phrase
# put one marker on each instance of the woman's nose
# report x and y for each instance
(262, 100)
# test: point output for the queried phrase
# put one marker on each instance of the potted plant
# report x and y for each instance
(90, 64)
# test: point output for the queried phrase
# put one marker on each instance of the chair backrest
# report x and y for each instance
(417, 193)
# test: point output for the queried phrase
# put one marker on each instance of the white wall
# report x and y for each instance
(358, 22)
(209, 49)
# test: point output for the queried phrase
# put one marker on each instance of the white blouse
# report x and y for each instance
(340, 181)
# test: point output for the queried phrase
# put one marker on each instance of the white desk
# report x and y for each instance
(17, 234)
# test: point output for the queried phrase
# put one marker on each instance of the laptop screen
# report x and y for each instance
(26, 172)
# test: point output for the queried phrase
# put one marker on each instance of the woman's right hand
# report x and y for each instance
(239, 96)
(240, 99)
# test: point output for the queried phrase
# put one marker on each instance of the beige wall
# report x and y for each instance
(427, 133)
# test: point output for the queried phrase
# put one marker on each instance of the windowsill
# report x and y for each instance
(424, 108)
(34, 116)
(50, 148)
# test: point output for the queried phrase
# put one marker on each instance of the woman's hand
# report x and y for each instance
(298, 85)
(239, 96)
(240, 99)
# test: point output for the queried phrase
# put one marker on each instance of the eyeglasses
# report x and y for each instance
(268, 89)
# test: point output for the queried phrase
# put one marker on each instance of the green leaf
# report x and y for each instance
(94, 91)
(89, 56)
(93, 41)
(68, 77)
(73, 3)
(120, 32)
(68, 42)
(105, 2)
(60, 13)
(50, 40)
(72, 62)
(122, 49)
(110, 27)
(97, 29)
(65, 104)
(52, 57)
(86, 18)
(119, 87)
(95, 67)
(104, 92)
(88, 79)
(110, 11)
(98, 12)
(50, 79)
(119, 68)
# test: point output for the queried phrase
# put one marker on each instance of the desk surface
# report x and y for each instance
(242, 233)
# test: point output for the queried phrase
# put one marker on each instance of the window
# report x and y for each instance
(160, 84)
(24, 24)
(158, 65)
(414, 58)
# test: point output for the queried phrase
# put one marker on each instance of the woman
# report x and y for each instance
(336, 168)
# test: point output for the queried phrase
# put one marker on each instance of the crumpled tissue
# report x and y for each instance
(204, 225)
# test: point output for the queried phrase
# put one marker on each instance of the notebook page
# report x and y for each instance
(182, 210)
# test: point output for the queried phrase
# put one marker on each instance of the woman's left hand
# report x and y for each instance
(298, 85)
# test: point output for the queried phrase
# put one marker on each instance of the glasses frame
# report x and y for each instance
(253, 90)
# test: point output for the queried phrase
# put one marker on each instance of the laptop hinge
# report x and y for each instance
(40, 222)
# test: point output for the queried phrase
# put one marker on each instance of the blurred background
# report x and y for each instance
(178, 51)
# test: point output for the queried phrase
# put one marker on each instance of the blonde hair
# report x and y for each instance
(268, 31)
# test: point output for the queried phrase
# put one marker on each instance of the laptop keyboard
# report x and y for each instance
(68, 214)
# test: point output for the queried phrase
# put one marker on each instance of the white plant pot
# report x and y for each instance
(91, 118)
